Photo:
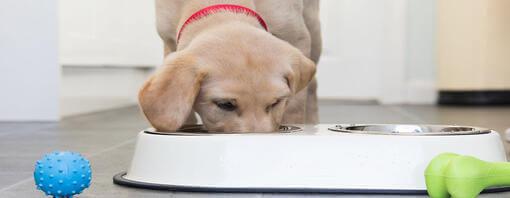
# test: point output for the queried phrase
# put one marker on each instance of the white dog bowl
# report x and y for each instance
(370, 158)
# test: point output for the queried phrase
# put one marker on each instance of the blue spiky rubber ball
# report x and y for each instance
(62, 174)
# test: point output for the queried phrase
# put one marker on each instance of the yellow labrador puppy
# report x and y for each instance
(243, 66)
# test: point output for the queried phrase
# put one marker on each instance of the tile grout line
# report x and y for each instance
(113, 147)
(16, 184)
(90, 156)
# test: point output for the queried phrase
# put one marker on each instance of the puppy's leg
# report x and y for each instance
(311, 18)
(168, 48)
(311, 106)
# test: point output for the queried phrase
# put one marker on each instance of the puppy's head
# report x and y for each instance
(237, 81)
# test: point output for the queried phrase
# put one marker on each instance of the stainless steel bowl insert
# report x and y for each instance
(405, 129)
(200, 129)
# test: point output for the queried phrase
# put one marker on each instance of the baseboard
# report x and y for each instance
(90, 89)
(479, 97)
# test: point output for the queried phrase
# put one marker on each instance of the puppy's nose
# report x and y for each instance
(266, 127)
(258, 123)
(257, 127)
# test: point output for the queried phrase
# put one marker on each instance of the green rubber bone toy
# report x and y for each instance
(463, 176)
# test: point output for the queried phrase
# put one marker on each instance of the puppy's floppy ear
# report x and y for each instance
(303, 70)
(167, 97)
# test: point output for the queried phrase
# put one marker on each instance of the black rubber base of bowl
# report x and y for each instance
(120, 180)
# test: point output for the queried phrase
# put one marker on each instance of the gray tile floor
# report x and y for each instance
(107, 140)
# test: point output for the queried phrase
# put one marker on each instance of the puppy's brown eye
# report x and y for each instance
(276, 103)
(226, 106)
(273, 105)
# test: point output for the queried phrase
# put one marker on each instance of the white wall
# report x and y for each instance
(112, 32)
(352, 41)
(89, 89)
(378, 50)
(421, 40)
(29, 72)
(421, 52)
(107, 49)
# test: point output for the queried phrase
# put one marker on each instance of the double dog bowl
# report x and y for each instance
(345, 158)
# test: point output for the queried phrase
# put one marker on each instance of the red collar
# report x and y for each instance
(222, 7)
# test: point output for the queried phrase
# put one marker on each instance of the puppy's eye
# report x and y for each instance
(226, 106)
(273, 105)
(276, 103)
